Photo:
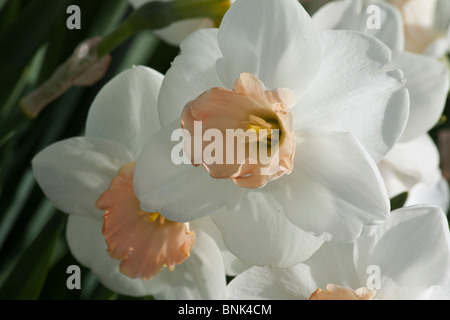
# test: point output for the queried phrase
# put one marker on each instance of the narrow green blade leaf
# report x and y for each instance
(24, 38)
(398, 201)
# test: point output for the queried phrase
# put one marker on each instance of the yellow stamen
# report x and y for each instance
(257, 124)
(152, 216)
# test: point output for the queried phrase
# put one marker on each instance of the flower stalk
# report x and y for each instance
(157, 15)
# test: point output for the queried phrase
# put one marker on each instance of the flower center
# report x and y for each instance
(145, 242)
(267, 131)
(254, 140)
(335, 292)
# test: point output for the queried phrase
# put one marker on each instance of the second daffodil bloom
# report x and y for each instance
(405, 258)
(133, 252)
(320, 103)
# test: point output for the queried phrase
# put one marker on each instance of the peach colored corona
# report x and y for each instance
(335, 292)
(248, 107)
(144, 241)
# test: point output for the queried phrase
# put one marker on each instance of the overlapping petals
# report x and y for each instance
(93, 175)
(398, 254)
(348, 103)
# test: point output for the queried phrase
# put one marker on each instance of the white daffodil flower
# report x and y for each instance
(337, 112)
(178, 31)
(426, 24)
(131, 251)
(407, 258)
(418, 26)
(415, 159)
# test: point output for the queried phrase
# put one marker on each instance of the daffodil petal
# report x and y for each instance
(233, 265)
(409, 163)
(86, 243)
(356, 15)
(177, 31)
(259, 232)
(192, 73)
(73, 173)
(435, 194)
(265, 283)
(334, 189)
(201, 276)
(125, 110)
(351, 93)
(428, 85)
(273, 40)
(180, 192)
(413, 241)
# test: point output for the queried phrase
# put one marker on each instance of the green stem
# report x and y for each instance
(114, 39)
(189, 9)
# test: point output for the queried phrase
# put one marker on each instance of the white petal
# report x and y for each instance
(334, 188)
(438, 48)
(428, 84)
(177, 31)
(259, 232)
(233, 265)
(436, 194)
(413, 241)
(125, 110)
(355, 15)
(181, 192)
(264, 283)
(392, 291)
(192, 73)
(409, 163)
(74, 173)
(273, 40)
(352, 93)
(441, 16)
(86, 242)
(180, 30)
(199, 277)
(333, 264)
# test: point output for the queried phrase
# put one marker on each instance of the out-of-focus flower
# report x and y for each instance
(413, 167)
(418, 26)
(266, 60)
(426, 24)
(178, 31)
(437, 193)
(407, 257)
(91, 175)
(415, 159)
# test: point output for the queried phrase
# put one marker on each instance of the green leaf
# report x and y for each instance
(398, 201)
(28, 277)
(24, 38)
